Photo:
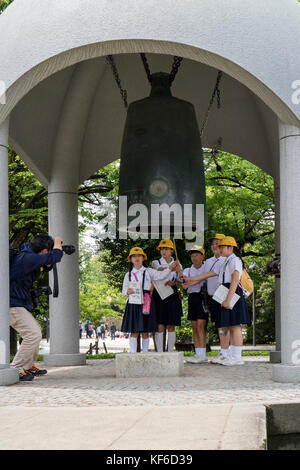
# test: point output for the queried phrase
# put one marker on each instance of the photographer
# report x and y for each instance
(35, 257)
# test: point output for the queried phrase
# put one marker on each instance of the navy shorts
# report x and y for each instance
(196, 310)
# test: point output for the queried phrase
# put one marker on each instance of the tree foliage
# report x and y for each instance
(99, 300)
(4, 4)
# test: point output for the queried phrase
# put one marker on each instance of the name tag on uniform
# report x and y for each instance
(221, 294)
(137, 297)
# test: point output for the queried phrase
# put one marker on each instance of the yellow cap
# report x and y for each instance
(228, 241)
(219, 236)
(165, 243)
(198, 248)
(136, 250)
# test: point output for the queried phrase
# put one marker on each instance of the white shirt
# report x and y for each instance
(151, 275)
(162, 263)
(231, 264)
(213, 282)
(190, 272)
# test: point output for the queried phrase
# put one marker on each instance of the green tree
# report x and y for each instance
(99, 300)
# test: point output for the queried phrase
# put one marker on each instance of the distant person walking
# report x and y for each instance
(113, 329)
(90, 331)
(102, 331)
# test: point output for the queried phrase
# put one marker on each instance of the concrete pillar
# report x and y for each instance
(7, 376)
(275, 356)
(63, 214)
(64, 310)
(63, 211)
(289, 369)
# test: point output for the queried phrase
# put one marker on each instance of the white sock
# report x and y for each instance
(171, 340)
(145, 344)
(133, 344)
(159, 338)
(200, 352)
(236, 352)
(224, 352)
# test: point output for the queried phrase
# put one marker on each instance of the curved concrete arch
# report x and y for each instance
(226, 42)
(73, 56)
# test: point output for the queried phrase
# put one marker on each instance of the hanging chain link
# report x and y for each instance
(176, 64)
(175, 67)
(215, 92)
(146, 66)
(111, 62)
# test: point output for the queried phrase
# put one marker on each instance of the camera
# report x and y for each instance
(68, 249)
(37, 293)
(273, 267)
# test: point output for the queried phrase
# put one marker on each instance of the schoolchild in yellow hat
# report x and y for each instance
(140, 314)
(231, 317)
(169, 310)
(212, 285)
(136, 251)
(218, 236)
(197, 249)
(228, 241)
(165, 243)
(196, 313)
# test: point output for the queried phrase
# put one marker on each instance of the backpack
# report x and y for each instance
(246, 284)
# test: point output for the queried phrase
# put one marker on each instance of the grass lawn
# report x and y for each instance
(186, 353)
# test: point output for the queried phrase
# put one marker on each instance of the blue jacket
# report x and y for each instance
(25, 268)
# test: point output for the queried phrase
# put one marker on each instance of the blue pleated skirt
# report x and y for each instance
(168, 311)
(239, 315)
(134, 321)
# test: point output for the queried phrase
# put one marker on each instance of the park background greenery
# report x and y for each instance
(240, 202)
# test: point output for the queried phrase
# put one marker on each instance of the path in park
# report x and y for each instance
(87, 407)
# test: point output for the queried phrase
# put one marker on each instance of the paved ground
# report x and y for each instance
(209, 407)
(96, 385)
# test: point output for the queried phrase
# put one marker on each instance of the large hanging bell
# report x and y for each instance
(161, 156)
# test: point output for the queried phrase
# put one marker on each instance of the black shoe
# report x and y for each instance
(26, 376)
(36, 372)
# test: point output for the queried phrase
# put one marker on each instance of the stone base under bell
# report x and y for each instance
(149, 364)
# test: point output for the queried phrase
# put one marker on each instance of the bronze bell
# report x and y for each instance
(161, 157)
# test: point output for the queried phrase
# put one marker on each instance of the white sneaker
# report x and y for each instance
(218, 359)
(229, 361)
(196, 359)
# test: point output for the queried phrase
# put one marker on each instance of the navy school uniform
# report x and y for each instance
(239, 315)
(168, 311)
(195, 296)
(134, 321)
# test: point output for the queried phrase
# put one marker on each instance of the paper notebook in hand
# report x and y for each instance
(137, 296)
(163, 291)
(221, 294)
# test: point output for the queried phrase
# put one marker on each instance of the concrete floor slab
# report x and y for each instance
(209, 407)
(171, 428)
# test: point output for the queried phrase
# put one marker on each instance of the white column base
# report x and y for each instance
(285, 373)
(275, 357)
(9, 376)
(65, 359)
